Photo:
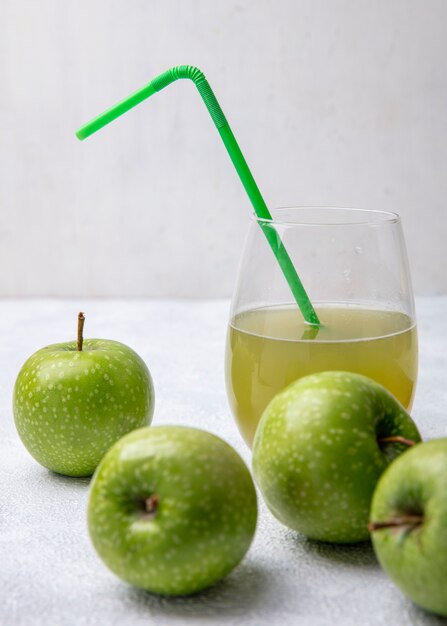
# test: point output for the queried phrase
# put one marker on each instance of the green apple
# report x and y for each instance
(73, 400)
(172, 509)
(320, 448)
(409, 524)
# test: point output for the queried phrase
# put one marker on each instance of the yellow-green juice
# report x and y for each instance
(268, 348)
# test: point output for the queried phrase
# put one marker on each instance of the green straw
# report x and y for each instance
(239, 162)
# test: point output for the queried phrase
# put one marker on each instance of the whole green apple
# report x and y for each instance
(320, 448)
(409, 524)
(172, 509)
(73, 400)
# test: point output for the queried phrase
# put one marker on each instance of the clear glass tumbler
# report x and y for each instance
(353, 264)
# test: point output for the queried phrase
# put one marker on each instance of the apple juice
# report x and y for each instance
(268, 348)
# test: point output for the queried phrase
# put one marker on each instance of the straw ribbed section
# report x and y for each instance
(198, 77)
(211, 103)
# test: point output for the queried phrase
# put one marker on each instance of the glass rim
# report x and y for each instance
(364, 217)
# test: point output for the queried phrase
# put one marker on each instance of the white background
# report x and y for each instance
(339, 102)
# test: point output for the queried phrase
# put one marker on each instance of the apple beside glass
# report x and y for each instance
(73, 400)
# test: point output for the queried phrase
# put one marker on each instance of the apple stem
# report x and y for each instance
(412, 521)
(81, 320)
(397, 439)
(151, 505)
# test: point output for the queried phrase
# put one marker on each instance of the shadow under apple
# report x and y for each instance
(353, 555)
(62, 480)
(416, 615)
(237, 594)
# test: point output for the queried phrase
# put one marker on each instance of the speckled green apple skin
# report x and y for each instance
(70, 406)
(206, 516)
(316, 457)
(416, 560)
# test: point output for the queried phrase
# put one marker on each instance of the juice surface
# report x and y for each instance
(268, 348)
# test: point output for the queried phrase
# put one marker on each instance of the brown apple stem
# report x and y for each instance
(81, 320)
(151, 505)
(411, 521)
(398, 439)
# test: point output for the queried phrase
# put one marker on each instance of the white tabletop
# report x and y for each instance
(49, 573)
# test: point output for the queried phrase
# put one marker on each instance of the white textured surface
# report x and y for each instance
(333, 102)
(49, 574)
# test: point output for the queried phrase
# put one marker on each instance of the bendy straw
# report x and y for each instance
(239, 162)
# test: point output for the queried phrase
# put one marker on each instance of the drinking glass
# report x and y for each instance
(353, 264)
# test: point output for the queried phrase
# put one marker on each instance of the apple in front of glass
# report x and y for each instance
(73, 400)
(320, 448)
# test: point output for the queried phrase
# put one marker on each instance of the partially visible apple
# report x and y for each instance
(320, 448)
(73, 400)
(172, 509)
(409, 524)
